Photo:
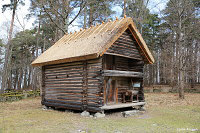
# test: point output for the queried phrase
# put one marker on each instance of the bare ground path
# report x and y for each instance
(165, 113)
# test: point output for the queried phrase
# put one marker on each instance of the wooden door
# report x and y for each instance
(111, 90)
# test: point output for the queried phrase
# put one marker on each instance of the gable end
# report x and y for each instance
(126, 46)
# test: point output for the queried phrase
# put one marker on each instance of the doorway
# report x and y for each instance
(111, 91)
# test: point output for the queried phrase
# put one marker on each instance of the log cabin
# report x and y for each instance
(96, 69)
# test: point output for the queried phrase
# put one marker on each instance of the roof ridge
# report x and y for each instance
(97, 24)
(92, 29)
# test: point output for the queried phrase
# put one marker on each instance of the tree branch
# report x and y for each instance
(82, 5)
(52, 19)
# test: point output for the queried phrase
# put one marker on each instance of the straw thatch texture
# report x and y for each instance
(91, 43)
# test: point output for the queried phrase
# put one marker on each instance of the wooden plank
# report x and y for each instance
(122, 105)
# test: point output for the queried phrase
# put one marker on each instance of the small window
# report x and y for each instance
(136, 85)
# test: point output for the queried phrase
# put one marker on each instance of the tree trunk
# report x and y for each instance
(7, 67)
(29, 76)
(20, 79)
(16, 79)
(91, 15)
(35, 70)
(66, 18)
(85, 16)
(124, 8)
(180, 56)
(25, 78)
(181, 86)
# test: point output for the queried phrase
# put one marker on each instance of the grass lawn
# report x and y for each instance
(165, 113)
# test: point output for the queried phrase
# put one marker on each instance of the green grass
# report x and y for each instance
(165, 113)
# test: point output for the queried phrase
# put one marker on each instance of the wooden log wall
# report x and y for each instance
(121, 63)
(126, 46)
(126, 64)
(76, 85)
(112, 62)
(136, 66)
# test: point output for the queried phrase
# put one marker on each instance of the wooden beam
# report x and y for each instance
(123, 105)
(117, 73)
(122, 56)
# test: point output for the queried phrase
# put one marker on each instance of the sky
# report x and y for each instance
(21, 22)
(20, 18)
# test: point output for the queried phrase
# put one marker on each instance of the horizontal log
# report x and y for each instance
(108, 53)
(63, 106)
(122, 73)
(64, 88)
(63, 76)
(64, 82)
(129, 44)
(126, 38)
(73, 96)
(124, 46)
(71, 93)
(94, 61)
(93, 109)
(126, 53)
(93, 88)
(76, 102)
(50, 91)
(98, 64)
(69, 105)
(57, 79)
(69, 97)
(63, 85)
(117, 49)
(63, 71)
(65, 67)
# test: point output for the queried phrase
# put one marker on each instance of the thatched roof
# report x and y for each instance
(91, 43)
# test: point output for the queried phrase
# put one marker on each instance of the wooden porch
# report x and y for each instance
(122, 88)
